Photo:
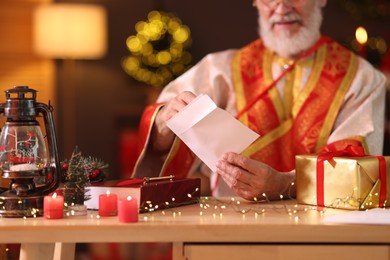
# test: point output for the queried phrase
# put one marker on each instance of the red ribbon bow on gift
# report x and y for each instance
(352, 151)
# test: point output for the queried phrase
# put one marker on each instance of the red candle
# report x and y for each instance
(108, 204)
(127, 210)
(53, 206)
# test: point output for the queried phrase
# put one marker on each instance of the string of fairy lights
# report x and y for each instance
(217, 208)
(258, 206)
(158, 50)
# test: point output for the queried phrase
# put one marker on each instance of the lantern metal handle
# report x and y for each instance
(46, 110)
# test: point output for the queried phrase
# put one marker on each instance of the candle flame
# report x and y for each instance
(129, 198)
(108, 192)
(54, 195)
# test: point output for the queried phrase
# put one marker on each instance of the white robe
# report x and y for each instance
(361, 114)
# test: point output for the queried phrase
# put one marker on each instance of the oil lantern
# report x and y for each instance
(29, 160)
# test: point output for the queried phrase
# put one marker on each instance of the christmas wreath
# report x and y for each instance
(158, 50)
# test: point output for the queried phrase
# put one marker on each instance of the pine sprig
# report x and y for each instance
(81, 171)
(96, 168)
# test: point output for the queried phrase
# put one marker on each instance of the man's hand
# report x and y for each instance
(162, 136)
(252, 179)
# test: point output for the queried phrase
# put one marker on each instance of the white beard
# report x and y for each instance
(286, 45)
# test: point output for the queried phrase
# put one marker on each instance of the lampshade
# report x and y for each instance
(76, 31)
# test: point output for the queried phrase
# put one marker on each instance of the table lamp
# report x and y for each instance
(70, 32)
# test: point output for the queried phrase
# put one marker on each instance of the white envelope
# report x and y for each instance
(210, 131)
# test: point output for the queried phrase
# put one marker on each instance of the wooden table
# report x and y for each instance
(216, 227)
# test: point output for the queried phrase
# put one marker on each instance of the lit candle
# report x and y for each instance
(127, 210)
(53, 206)
(108, 204)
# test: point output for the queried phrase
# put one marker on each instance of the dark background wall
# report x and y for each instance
(108, 102)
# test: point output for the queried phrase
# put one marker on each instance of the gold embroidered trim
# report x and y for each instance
(273, 92)
(298, 72)
(143, 151)
(269, 138)
(311, 82)
(172, 153)
(336, 104)
(238, 86)
(288, 93)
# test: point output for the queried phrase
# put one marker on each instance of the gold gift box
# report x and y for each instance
(349, 182)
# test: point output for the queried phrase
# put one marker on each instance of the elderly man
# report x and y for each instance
(300, 90)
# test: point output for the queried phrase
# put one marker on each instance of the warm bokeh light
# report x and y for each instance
(379, 44)
(361, 35)
(76, 31)
(158, 50)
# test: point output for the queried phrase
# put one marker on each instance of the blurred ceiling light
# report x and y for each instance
(70, 31)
